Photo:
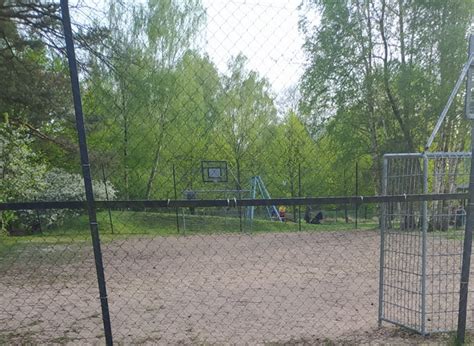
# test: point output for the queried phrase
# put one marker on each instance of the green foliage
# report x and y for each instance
(247, 111)
(379, 74)
(21, 170)
(141, 224)
(24, 176)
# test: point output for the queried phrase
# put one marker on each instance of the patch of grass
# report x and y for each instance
(452, 339)
(127, 224)
(451, 233)
(63, 340)
(17, 338)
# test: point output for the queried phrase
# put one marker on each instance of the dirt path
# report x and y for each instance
(273, 287)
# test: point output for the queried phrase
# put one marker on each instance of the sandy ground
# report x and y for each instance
(217, 289)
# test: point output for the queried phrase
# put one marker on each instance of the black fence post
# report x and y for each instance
(239, 195)
(38, 220)
(356, 193)
(346, 215)
(175, 197)
(86, 171)
(467, 246)
(299, 195)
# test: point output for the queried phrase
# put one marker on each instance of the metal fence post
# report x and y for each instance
(467, 246)
(107, 199)
(346, 216)
(299, 195)
(424, 248)
(356, 193)
(466, 256)
(175, 197)
(81, 133)
(382, 238)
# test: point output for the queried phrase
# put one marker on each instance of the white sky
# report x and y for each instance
(265, 31)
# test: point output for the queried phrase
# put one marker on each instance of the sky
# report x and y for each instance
(265, 31)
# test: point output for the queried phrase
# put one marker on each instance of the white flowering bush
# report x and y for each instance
(63, 186)
(25, 177)
(21, 170)
(60, 185)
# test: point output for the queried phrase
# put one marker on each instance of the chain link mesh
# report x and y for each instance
(168, 86)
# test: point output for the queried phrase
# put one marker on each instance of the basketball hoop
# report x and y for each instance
(214, 171)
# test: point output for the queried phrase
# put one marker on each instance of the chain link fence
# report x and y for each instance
(206, 185)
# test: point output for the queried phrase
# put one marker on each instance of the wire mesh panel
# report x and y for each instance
(402, 245)
(446, 220)
(421, 244)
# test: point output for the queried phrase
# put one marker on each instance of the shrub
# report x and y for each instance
(25, 177)
(60, 185)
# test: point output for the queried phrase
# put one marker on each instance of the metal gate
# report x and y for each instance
(422, 242)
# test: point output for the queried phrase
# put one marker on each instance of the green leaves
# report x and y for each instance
(21, 169)
(371, 100)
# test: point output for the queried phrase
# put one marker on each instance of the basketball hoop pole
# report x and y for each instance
(455, 90)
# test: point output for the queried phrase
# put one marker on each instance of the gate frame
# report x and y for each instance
(425, 156)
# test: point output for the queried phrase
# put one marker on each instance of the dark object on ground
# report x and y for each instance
(460, 217)
(17, 229)
(318, 218)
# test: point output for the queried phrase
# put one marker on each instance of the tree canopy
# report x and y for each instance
(378, 73)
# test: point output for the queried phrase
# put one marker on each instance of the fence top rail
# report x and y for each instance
(187, 203)
(428, 154)
(216, 191)
(402, 155)
(458, 154)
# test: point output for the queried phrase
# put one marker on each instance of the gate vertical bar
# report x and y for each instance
(467, 246)
(424, 248)
(86, 172)
(383, 224)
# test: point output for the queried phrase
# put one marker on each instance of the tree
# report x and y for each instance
(296, 149)
(247, 113)
(141, 85)
(382, 67)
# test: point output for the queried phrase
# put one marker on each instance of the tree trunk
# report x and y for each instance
(401, 32)
(125, 144)
(154, 168)
(125, 156)
(371, 104)
(391, 98)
